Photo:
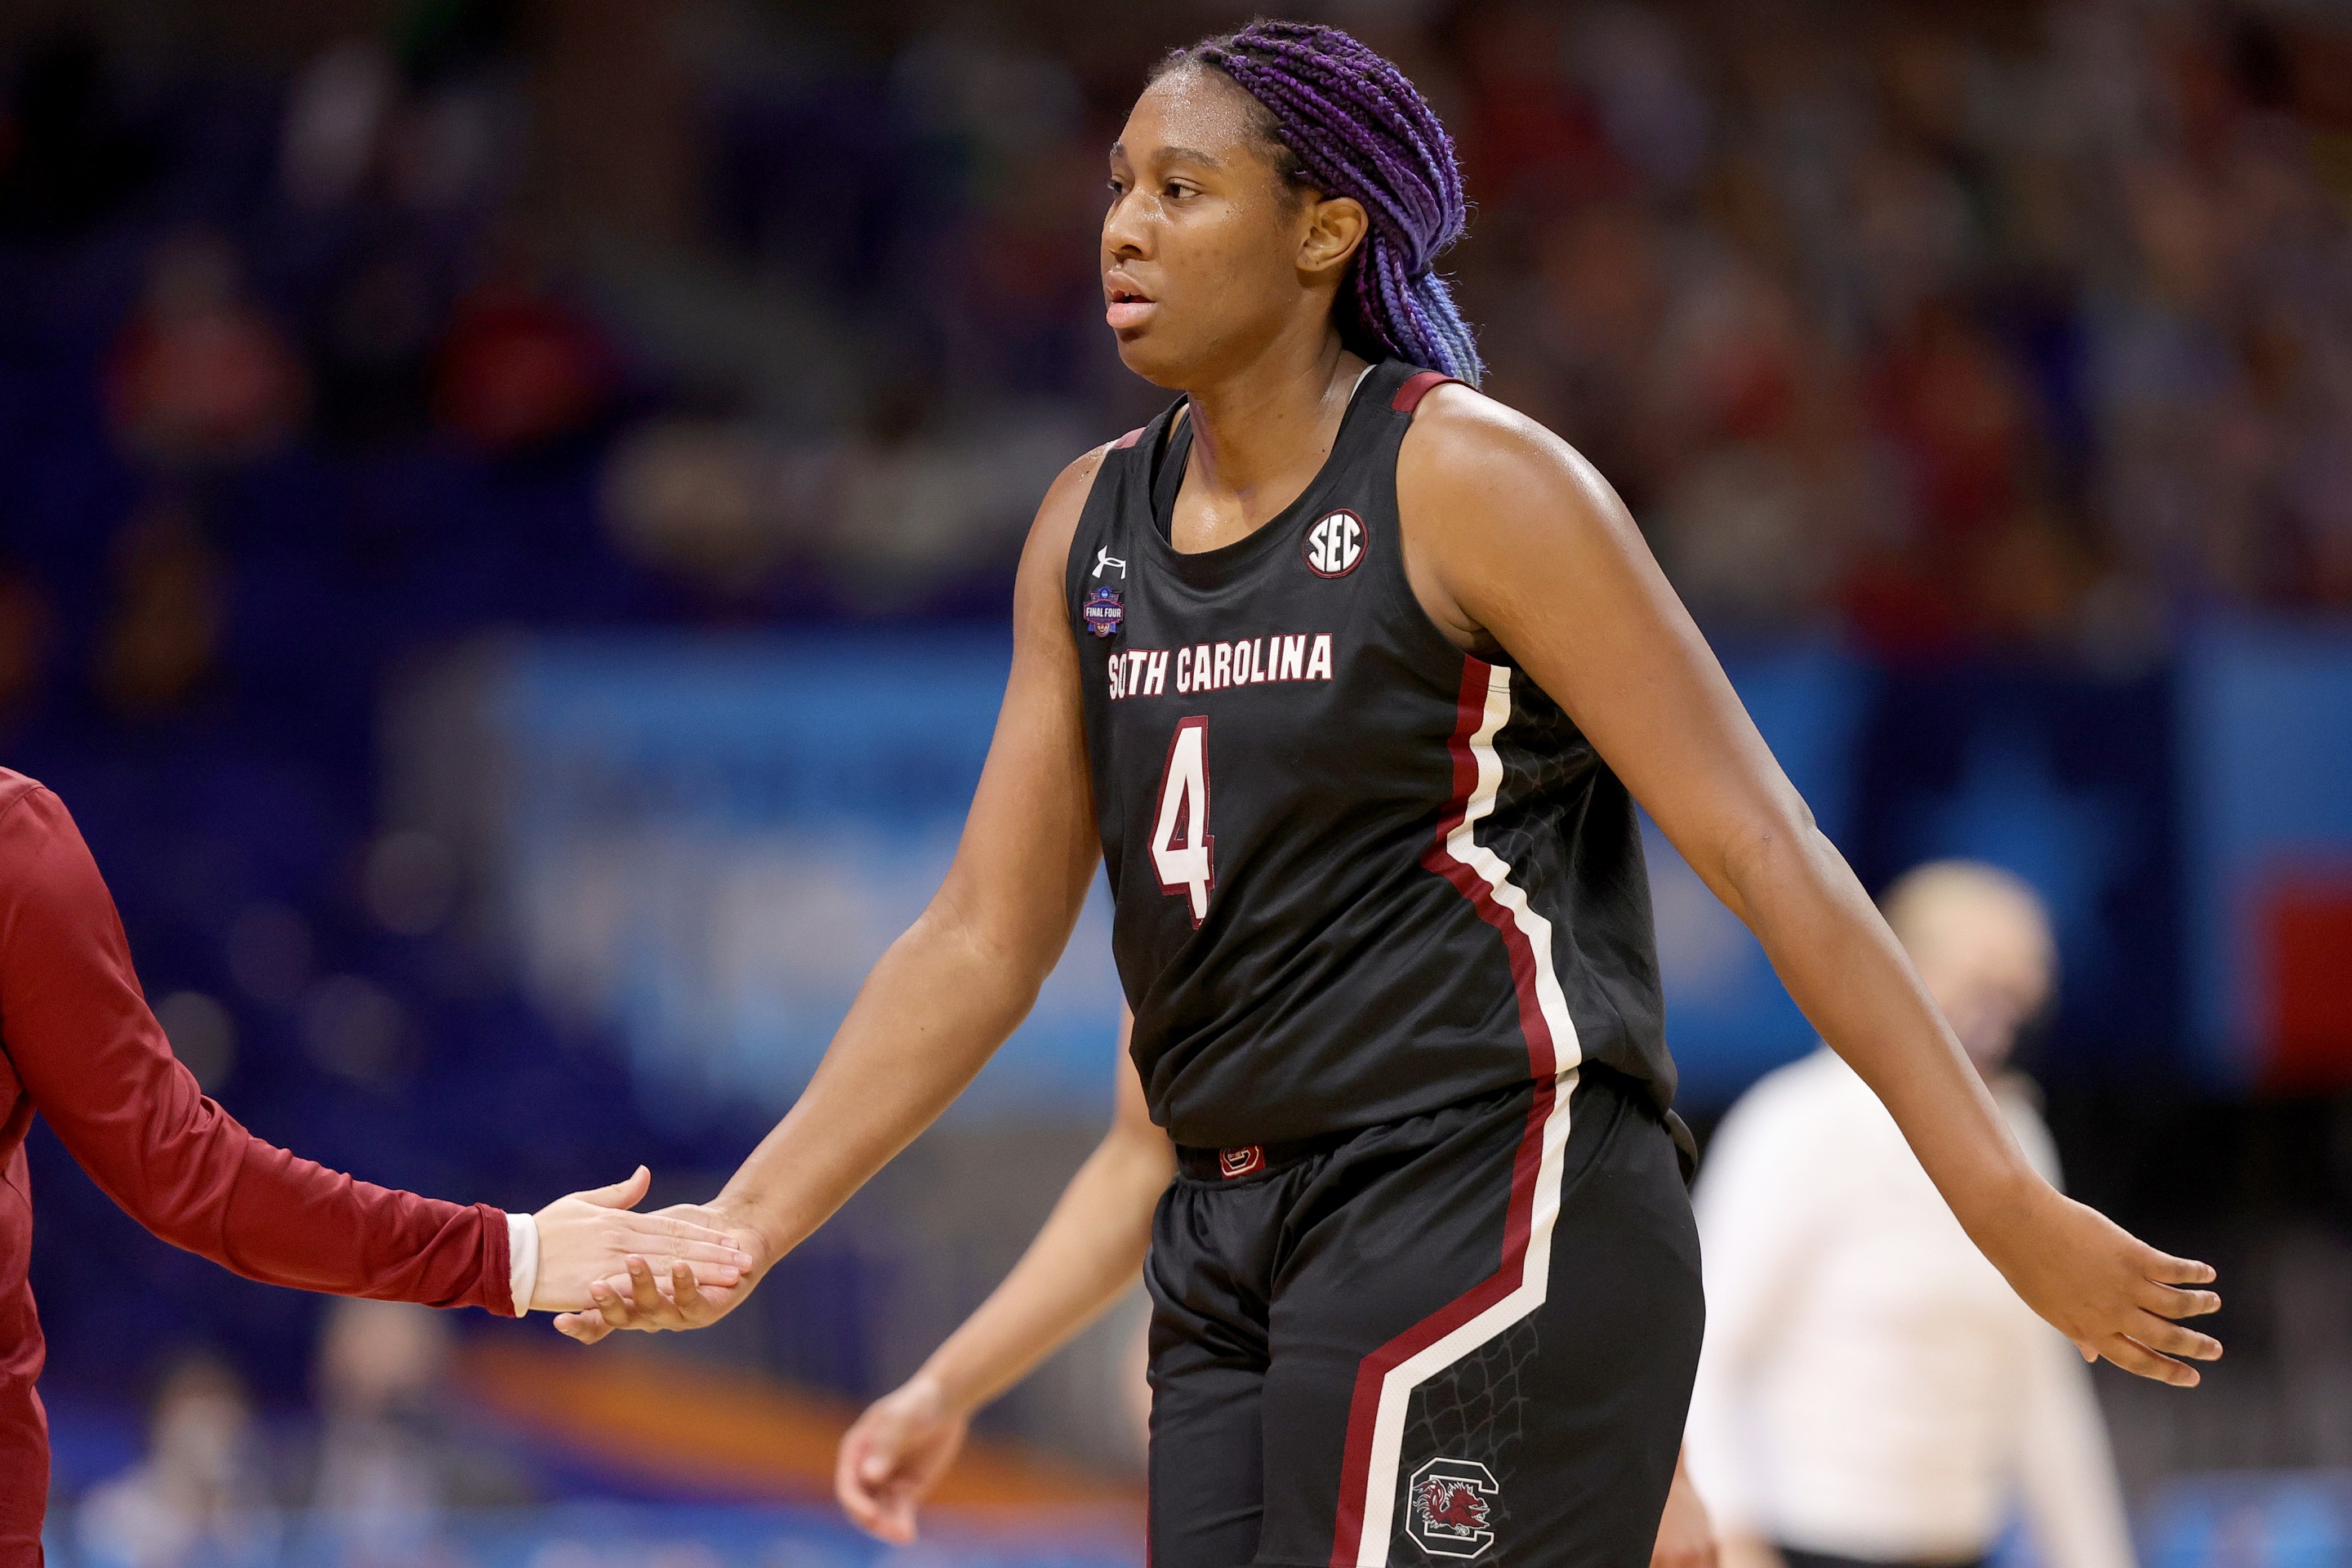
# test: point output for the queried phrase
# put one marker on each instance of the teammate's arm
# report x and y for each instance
(1515, 542)
(954, 985)
(89, 1056)
(1089, 1253)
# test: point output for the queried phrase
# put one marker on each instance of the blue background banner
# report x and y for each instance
(705, 843)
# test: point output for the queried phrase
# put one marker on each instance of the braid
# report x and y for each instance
(1346, 122)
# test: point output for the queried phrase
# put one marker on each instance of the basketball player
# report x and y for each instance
(1349, 677)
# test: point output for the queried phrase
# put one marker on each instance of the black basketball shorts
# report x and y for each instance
(1465, 1336)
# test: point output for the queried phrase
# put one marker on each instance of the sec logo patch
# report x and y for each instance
(1335, 545)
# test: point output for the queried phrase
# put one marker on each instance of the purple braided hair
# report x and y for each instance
(1349, 123)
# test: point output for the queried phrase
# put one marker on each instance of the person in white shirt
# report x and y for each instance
(1872, 1390)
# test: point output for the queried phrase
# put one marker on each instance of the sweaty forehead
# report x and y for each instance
(1194, 110)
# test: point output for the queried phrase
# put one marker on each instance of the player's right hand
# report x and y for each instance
(649, 1300)
(894, 1454)
(588, 1236)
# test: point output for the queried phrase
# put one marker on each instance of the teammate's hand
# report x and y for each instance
(590, 1235)
(893, 1457)
(1686, 1533)
(2105, 1288)
(637, 1294)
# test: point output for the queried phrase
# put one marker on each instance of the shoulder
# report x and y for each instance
(1462, 437)
(15, 789)
(42, 856)
(1065, 497)
(30, 810)
(1068, 492)
(1042, 580)
(1058, 514)
(1480, 485)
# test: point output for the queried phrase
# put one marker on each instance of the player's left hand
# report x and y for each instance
(894, 1454)
(652, 1300)
(1686, 1533)
(2101, 1286)
(591, 1235)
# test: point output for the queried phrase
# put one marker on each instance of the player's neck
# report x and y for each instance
(1260, 434)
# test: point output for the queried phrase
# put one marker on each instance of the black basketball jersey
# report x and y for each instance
(1357, 873)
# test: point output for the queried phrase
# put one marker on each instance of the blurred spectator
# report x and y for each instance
(1639, 75)
(916, 508)
(26, 624)
(438, 129)
(202, 1495)
(163, 632)
(709, 501)
(200, 375)
(518, 368)
(390, 1462)
(1872, 1390)
(336, 110)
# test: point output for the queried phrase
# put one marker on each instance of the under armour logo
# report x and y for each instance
(1103, 558)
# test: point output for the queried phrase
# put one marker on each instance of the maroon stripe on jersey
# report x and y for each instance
(1418, 385)
(1527, 1164)
(1543, 1059)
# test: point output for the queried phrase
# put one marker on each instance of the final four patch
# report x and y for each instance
(1103, 611)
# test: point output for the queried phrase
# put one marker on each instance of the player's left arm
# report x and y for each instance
(1518, 547)
(1686, 1533)
(1089, 1253)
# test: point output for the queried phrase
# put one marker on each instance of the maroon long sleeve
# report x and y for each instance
(81, 1048)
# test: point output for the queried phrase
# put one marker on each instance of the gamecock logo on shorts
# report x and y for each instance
(1447, 1510)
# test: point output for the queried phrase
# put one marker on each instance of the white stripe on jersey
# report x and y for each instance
(1535, 1271)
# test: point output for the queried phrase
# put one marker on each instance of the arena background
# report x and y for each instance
(506, 518)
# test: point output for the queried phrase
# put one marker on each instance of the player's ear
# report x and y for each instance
(1333, 229)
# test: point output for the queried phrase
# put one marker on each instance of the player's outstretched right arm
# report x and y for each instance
(954, 986)
(1087, 1254)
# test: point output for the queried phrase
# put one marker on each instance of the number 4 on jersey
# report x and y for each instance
(1180, 841)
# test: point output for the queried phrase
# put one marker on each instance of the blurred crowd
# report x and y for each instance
(2028, 326)
(1952, 326)
(220, 1484)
